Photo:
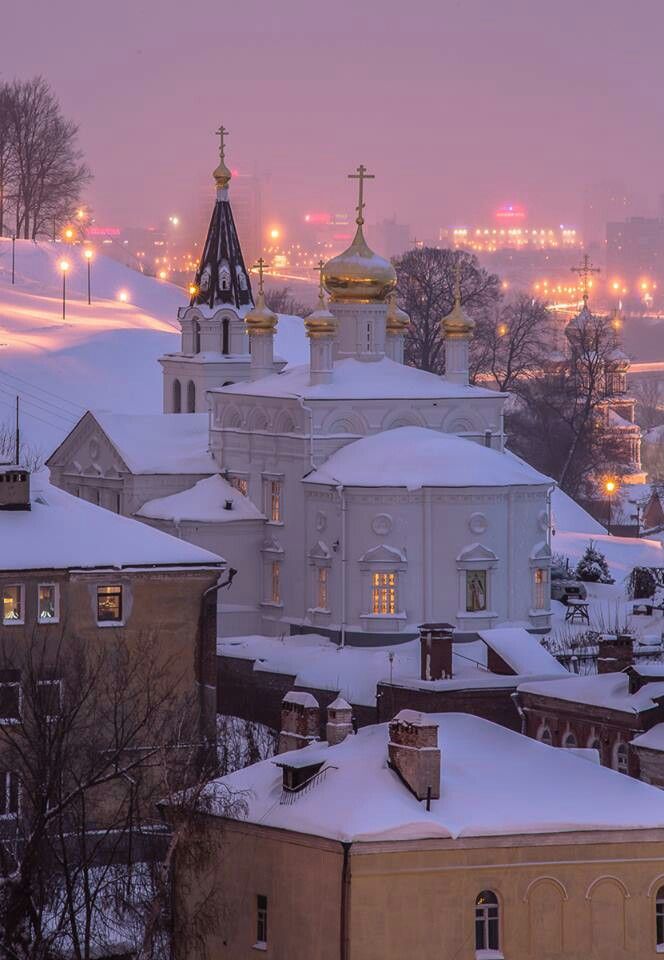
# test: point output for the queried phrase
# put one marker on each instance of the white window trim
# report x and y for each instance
(56, 618)
(487, 561)
(50, 683)
(269, 478)
(14, 623)
(111, 623)
(11, 814)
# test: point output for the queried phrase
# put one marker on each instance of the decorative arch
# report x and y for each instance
(285, 423)
(402, 418)
(655, 885)
(191, 397)
(257, 420)
(607, 878)
(477, 552)
(461, 421)
(351, 423)
(541, 551)
(177, 396)
(539, 880)
(232, 419)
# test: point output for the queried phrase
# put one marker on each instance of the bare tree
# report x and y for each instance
(44, 169)
(426, 283)
(649, 394)
(512, 342)
(30, 456)
(281, 300)
(91, 739)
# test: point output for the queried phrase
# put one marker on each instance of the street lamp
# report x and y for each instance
(88, 254)
(69, 234)
(610, 487)
(64, 266)
(123, 296)
(13, 256)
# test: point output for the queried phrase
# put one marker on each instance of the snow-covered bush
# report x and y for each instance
(592, 567)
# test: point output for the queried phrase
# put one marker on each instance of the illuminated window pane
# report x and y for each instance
(109, 603)
(12, 604)
(241, 484)
(47, 598)
(475, 590)
(321, 601)
(276, 581)
(273, 501)
(541, 582)
(384, 593)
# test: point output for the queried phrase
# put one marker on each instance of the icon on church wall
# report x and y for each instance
(475, 590)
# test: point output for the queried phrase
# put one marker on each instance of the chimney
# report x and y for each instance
(300, 721)
(414, 753)
(616, 652)
(436, 651)
(339, 721)
(14, 487)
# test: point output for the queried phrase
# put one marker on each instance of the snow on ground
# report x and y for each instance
(493, 782)
(622, 553)
(103, 355)
(569, 515)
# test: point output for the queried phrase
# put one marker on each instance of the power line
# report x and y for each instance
(33, 415)
(51, 413)
(42, 389)
(38, 402)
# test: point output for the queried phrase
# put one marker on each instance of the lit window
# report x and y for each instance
(109, 604)
(540, 584)
(622, 758)
(47, 603)
(384, 593)
(321, 600)
(261, 919)
(9, 794)
(276, 581)
(487, 921)
(10, 702)
(12, 604)
(659, 915)
(241, 484)
(475, 590)
(273, 500)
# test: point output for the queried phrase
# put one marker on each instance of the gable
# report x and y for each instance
(88, 451)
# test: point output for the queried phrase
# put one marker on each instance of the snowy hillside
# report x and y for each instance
(103, 356)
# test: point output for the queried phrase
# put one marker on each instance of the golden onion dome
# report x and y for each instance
(397, 320)
(457, 325)
(260, 319)
(358, 275)
(321, 323)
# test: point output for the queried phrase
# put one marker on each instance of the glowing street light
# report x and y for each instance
(88, 253)
(275, 233)
(174, 220)
(123, 296)
(69, 234)
(193, 289)
(64, 266)
(162, 274)
(610, 487)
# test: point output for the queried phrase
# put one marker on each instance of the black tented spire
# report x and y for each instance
(222, 277)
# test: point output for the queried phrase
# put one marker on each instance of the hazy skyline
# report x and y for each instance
(455, 106)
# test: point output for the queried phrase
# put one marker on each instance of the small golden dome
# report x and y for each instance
(397, 320)
(358, 275)
(457, 325)
(321, 323)
(261, 319)
(222, 175)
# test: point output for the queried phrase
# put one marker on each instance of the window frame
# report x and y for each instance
(541, 600)
(570, 735)
(51, 717)
(56, 603)
(20, 621)
(322, 587)
(659, 920)
(108, 622)
(621, 758)
(275, 582)
(240, 482)
(548, 740)
(273, 499)
(490, 926)
(7, 721)
(262, 929)
(384, 600)
(481, 572)
(11, 776)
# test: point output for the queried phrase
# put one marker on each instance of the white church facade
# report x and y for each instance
(355, 496)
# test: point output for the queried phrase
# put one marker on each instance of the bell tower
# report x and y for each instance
(215, 348)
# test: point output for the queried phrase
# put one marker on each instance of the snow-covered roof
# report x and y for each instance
(522, 651)
(415, 457)
(160, 442)
(300, 698)
(569, 515)
(205, 502)
(354, 672)
(652, 739)
(353, 379)
(494, 782)
(608, 690)
(63, 532)
(620, 423)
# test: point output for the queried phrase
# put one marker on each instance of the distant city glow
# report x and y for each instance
(162, 274)
(174, 220)
(275, 233)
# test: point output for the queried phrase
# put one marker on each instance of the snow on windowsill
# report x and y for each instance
(477, 615)
(383, 616)
(319, 610)
(260, 945)
(489, 955)
(110, 623)
(13, 623)
(271, 603)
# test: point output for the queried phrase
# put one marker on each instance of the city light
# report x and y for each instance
(610, 486)
(123, 296)
(174, 220)
(193, 289)
(162, 274)
(69, 234)
(64, 265)
(88, 254)
(275, 233)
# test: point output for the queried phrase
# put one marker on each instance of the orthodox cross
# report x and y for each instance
(361, 175)
(585, 272)
(457, 283)
(319, 268)
(221, 133)
(260, 266)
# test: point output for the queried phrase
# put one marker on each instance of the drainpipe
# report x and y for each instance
(342, 496)
(200, 666)
(309, 411)
(344, 951)
(520, 711)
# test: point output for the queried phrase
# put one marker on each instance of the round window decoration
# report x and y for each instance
(477, 523)
(544, 520)
(321, 521)
(381, 524)
(93, 448)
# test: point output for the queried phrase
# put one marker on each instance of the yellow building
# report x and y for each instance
(514, 850)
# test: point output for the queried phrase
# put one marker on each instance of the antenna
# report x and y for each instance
(17, 432)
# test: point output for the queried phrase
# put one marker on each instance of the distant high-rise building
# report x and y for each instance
(604, 201)
(635, 252)
(390, 237)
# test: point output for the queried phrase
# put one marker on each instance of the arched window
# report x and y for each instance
(659, 917)
(487, 921)
(177, 397)
(225, 337)
(191, 397)
(545, 735)
(570, 741)
(622, 758)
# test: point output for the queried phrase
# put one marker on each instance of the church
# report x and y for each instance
(355, 496)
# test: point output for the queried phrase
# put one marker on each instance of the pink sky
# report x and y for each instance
(455, 105)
